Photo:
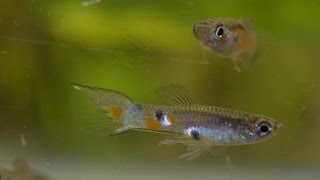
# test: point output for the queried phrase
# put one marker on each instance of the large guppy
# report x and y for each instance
(199, 127)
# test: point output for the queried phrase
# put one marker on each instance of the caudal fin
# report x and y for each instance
(112, 103)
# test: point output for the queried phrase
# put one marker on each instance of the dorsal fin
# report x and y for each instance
(174, 94)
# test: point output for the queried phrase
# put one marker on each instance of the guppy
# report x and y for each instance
(230, 38)
(199, 127)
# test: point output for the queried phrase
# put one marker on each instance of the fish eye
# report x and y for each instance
(263, 128)
(219, 31)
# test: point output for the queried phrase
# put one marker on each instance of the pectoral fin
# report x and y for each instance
(119, 131)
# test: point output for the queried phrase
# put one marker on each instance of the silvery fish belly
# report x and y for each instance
(199, 127)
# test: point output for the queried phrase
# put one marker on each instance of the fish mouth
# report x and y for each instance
(199, 30)
(195, 30)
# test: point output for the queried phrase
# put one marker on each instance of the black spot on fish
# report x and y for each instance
(195, 135)
(159, 115)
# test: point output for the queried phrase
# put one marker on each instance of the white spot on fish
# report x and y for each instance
(189, 130)
(166, 121)
(244, 138)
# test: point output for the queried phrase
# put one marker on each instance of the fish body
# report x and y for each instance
(229, 38)
(219, 126)
(193, 124)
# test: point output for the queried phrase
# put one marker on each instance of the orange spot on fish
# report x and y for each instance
(172, 119)
(152, 123)
(246, 42)
(114, 112)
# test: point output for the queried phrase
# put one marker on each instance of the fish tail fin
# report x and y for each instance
(112, 103)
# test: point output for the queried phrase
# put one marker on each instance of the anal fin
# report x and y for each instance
(195, 148)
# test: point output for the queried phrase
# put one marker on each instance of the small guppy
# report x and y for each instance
(199, 127)
(230, 38)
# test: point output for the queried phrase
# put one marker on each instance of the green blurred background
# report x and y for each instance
(137, 46)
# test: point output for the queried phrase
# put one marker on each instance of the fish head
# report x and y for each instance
(259, 128)
(224, 36)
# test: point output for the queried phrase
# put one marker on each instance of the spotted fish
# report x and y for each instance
(229, 38)
(197, 126)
